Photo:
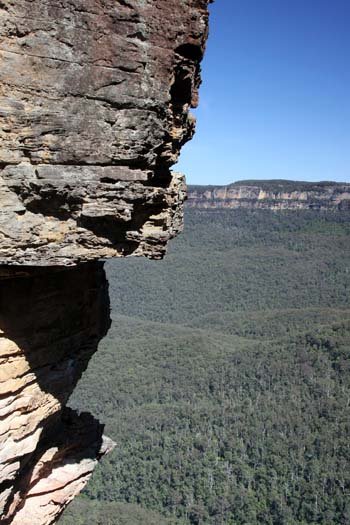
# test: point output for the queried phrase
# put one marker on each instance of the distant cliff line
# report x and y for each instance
(272, 194)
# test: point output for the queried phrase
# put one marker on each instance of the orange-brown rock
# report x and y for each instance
(51, 323)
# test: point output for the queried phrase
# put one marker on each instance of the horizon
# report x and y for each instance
(274, 101)
(242, 181)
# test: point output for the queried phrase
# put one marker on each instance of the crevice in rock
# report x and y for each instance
(192, 52)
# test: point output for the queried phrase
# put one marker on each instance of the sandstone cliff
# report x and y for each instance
(274, 195)
(51, 323)
(94, 105)
(94, 102)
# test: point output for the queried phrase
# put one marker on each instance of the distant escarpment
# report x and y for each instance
(273, 195)
(94, 105)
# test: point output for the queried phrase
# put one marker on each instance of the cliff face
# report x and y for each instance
(94, 102)
(274, 195)
(51, 323)
(94, 105)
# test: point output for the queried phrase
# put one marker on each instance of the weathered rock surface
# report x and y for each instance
(94, 106)
(273, 195)
(94, 109)
(51, 323)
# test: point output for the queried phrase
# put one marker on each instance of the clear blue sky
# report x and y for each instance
(275, 99)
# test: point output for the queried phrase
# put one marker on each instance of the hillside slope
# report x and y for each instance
(228, 380)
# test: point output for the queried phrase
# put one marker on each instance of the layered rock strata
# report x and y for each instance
(273, 195)
(94, 109)
(94, 106)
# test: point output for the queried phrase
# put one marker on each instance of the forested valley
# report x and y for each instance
(225, 377)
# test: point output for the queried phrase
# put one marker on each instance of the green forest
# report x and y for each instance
(225, 377)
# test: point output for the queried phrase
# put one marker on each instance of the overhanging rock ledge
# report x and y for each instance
(94, 105)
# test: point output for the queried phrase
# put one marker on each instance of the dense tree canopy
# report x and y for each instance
(225, 378)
